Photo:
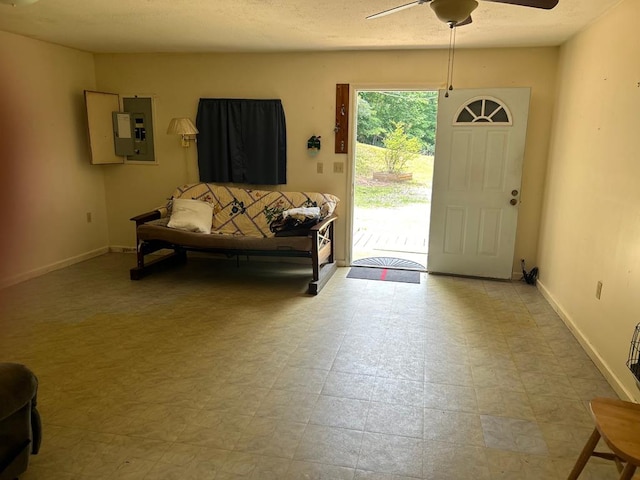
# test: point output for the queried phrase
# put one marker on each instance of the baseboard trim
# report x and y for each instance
(22, 277)
(602, 365)
(122, 249)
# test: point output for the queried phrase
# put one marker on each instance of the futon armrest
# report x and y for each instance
(146, 217)
(323, 224)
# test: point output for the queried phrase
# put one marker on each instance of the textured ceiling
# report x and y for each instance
(285, 25)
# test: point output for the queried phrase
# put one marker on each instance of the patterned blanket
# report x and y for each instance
(238, 211)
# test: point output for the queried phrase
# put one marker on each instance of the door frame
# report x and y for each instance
(354, 88)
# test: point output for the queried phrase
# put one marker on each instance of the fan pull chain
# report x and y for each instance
(452, 54)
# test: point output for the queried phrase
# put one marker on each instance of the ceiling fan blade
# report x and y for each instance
(396, 9)
(545, 4)
(465, 22)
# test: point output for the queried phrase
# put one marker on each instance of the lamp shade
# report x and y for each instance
(181, 126)
(453, 12)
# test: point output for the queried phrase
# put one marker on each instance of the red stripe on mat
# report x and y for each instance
(383, 275)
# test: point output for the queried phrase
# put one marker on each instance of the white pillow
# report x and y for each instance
(191, 215)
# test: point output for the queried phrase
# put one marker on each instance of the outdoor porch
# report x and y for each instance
(401, 232)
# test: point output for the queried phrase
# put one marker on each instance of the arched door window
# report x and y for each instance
(483, 110)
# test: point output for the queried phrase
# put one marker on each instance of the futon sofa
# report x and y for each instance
(206, 217)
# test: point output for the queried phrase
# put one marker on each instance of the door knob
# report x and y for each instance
(513, 201)
(514, 193)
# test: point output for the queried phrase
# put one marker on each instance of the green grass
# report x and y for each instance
(390, 196)
(374, 194)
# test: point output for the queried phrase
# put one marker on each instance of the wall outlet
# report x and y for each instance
(599, 290)
(319, 167)
(338, 167)
(88, 217)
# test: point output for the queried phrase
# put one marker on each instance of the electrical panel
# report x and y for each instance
(120, 130)
(141, 118)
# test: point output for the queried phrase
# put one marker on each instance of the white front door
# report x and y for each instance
(476, 181)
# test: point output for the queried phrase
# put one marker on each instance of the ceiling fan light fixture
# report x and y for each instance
(453, 11)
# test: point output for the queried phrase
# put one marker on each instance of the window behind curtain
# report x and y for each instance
(242, 141)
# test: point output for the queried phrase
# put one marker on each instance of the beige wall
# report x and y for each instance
(306, 85)
(58, 186)
(47, 185)
(591, 219)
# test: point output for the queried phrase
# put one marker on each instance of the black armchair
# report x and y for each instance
(20, 426)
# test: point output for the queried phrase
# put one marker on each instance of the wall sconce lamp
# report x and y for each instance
(184, 127)
(313, 145)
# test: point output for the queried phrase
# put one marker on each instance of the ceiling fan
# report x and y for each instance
(456, 13)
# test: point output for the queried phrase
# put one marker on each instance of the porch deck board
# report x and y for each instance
(410, 243)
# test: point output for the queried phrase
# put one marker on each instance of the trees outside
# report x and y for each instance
(379, 112)
(370, 129)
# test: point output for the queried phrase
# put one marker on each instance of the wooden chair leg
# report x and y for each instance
(585, 455)
(627, 473)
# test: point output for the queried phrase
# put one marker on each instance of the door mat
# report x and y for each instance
(384, 274)
(390, 262)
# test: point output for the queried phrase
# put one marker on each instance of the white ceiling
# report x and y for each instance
(285, 25)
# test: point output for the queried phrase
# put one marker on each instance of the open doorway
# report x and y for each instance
(393, 173)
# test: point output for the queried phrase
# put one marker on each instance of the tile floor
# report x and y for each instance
(210, 371)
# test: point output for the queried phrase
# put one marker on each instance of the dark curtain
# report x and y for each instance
(242, 141)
